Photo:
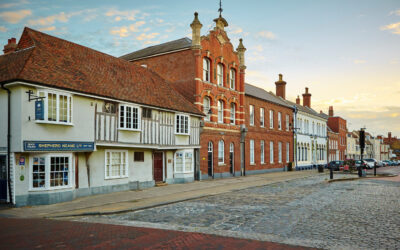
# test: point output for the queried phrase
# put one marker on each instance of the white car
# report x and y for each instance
(370, 163)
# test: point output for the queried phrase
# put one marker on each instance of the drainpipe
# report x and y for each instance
(8, 140)
(295, 135)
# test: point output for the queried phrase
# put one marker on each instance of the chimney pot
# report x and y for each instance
(11, 46)
(331, 111)
(307, 99)
(298, 100)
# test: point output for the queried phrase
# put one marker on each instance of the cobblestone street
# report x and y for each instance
(309, 212)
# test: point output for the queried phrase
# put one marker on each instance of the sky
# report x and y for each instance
(347, 52)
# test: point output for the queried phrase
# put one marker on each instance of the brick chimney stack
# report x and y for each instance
(280, 87)
(307, 99)
(298, 100)
(330, 111)
(390, 135)
(11, 46)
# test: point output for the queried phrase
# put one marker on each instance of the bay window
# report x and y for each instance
(184, 161)
(51, 171)
(182, 124)
(129, 117)
(55, 107)
(116, 164)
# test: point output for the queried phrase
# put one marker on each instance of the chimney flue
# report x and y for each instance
(307, 99)
(11, 46)
(280, 87)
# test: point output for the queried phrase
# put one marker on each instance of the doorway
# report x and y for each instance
(232, 157)
(210, 159)
(3, 178)
(158, 166)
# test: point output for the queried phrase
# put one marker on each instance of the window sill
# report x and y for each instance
(54, 123)
(113, 178)
(181, 134)
(252, 164)
(48, 189)
(128, 129)
(187, 172)
(221, 164)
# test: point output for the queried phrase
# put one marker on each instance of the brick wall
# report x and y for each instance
(258, 133)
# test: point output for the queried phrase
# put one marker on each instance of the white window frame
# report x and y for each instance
(233, 113)
(180, 129)
(232, 78)
(252, 161)
(47, 157)
(125, 165)
(220, 74)
(279, 120)
(271, 119)
(139, 117)
(184, 171)
(221, 152)
(262, 151)
(287, 122)
(206, 108)
(45, 93)
(280, 152)
(287, 151)
(271, 152)
(220, 106)
(206, 69)
(262, 117)
(251, 113)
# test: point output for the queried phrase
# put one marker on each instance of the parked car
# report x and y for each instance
(335, 165)
(370, 163)
(380, 164)
(386, 162)
(359, 163)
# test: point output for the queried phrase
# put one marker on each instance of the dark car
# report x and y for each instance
(335, 165)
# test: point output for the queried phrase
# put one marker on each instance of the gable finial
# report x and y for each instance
(220, 8)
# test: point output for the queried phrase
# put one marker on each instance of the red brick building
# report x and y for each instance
(339, 125)
(209, 72)
(333, 143)
(269, 140)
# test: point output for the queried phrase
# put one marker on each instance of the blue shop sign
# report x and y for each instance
(58, 146)
(39, 110)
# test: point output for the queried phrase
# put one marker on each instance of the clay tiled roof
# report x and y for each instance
(260, 93)
(49, 61)
(183, 43)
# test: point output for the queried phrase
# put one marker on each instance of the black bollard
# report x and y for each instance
(375, 169)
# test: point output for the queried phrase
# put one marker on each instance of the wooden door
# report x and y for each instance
(158, 166)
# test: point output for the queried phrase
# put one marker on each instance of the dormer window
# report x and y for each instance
(220, 74)
(206, 69)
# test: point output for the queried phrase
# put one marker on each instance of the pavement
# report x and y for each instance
(52, 234)
(126, 201)
(311, 212)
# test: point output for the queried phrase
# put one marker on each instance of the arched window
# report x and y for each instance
(233, 113)
(206, 108)
(232, 78)
(206, 69)
(220, 111)
(221, 151)
(220, 74)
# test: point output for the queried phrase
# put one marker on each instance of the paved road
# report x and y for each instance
(51, 234)
(361, 214)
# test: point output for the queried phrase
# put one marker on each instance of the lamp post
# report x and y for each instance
(295, 134)
(362, 146)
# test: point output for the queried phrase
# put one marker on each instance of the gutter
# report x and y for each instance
(8, 141)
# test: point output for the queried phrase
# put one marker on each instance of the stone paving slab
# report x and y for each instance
(135, 200)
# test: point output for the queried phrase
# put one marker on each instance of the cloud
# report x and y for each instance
(49, 28)
(144, 36)
(235, 30)
(3, 29)
(15, 16)
(393, 28)
(134, 27)
(266, 34)
(120, 31)
(9, 5)
(394, 61)
(359, 61)
(396, 12)
(43, 21)
(120, 15)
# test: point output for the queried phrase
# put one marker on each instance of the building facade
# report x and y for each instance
(99, 125)
(210, 73)
(339, 125)
(311, 138)
(269, 139)
(333, 142)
